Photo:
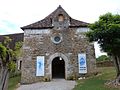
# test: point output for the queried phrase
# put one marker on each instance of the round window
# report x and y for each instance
(57, 39)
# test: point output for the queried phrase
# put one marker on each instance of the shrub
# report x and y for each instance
(103, 58)
(14, 74)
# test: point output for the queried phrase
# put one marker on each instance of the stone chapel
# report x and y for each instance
(56, 47)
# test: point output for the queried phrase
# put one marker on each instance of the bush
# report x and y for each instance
(103, 58)
(12, 66)
(14, 74)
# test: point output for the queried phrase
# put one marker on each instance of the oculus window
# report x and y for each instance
(56, 39)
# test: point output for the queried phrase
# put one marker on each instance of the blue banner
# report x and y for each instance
(40, 66)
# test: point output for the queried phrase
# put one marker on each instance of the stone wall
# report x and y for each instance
(39, 43)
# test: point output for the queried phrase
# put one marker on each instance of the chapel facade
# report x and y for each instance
(56, 47)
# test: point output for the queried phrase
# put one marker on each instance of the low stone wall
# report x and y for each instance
(105, 64)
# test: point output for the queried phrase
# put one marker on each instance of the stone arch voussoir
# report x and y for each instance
(64, 57)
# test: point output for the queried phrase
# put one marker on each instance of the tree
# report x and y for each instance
(5, 58)
(106, 31)
(7, 63)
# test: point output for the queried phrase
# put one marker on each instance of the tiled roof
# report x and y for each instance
(15, 38)
(47, 21)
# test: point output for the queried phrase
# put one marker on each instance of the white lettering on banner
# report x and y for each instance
(82, 63)
(40, 66)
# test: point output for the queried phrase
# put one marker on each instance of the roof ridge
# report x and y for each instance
(47, 21)
(58, 8)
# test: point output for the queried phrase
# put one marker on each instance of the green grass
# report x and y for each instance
(97, 82)
(92, 83)
(13, 82)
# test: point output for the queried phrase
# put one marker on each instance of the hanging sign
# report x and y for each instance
(40, 66)
(82, 63)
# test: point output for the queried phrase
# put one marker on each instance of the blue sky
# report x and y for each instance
(17, 13)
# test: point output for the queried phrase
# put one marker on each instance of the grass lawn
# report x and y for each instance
(92, 83)
(13, 82)
(97, 82)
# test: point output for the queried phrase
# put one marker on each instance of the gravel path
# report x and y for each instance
(56, 84)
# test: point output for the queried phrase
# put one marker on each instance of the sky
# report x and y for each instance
(17, 13)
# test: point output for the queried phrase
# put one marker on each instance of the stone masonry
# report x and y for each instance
(39, 41)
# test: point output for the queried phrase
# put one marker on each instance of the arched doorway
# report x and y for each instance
(58, 68)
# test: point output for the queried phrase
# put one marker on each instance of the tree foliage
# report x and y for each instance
(107, 32)
(17, 49)
(6, 54)
(103, 58)
(3, 51)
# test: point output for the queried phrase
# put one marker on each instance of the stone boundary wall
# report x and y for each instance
(105, 64)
